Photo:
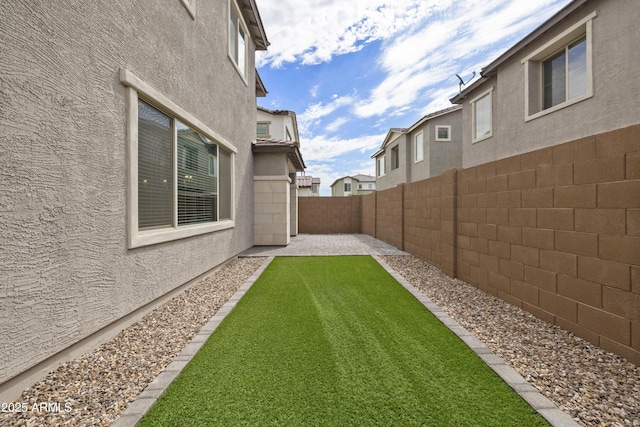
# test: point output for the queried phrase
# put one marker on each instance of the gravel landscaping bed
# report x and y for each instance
(595, 387)
(99, 386)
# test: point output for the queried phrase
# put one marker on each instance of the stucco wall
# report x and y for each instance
(613, 105)
(65, 270)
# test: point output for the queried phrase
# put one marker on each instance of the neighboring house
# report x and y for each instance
(127, 167)
(308, 186)
(572, 77)
(429, 147)
(277, 124)
(353, 185)
(277, 160)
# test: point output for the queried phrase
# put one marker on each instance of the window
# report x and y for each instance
(262, 129)
(288, 135)
(381, 166)
(196, 182)
(347, 187)
(395, 158)
(419, 147)
(565, 74)
(180, 172)
(315, 188)
(481, 121)
(559, 73)
(237, 40)
(443, 133)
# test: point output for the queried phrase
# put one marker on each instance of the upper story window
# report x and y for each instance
(288, 135)
(237, 39)
(262, 129)
(481, 116)
(381, 166)
(347, 187)
(418, 147)
(315, 188)
(443, 133)
(395, 157)
(564, 76)
(559, 73)
(180, 172)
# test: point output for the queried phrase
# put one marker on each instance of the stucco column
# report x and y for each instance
(272, 216)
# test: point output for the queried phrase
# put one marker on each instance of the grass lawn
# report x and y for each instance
(336, 341)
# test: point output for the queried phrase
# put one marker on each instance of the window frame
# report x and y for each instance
(380, 163)
(533, 74)
(267, 124)
(448, 137)
(473, 103)
(395, 157)
(240, 24)
(415, 147)
(137, 89)
(345, 187)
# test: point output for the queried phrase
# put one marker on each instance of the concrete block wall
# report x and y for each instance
(369, 214)
(389, 216)
(330, 215)
(556, 232)
(271, 211)
(430, 220)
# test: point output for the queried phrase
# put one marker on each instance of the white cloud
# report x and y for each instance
(336, 124)
(314, 112)
(314, 31)
(323, 148)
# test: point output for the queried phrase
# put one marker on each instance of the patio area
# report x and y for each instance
(325, 245)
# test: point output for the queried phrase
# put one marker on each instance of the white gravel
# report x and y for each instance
(595, 387)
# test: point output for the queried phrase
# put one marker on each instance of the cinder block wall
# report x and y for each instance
(330, 215)
(430, 218)
(389, 216)
(557, 232)
(369, 214)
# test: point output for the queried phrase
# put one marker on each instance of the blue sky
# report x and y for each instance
(351, 70)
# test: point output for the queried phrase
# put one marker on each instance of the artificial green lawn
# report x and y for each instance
(335, 341)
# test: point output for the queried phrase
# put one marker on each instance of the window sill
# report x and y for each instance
(418, 161)
(485, 137)
(152, 237)
(557, 107)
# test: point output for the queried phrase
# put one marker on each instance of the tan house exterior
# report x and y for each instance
(308, 186)
(127, 163)
(508, 111)
(429, 147)
(277, 160)
(355, 185)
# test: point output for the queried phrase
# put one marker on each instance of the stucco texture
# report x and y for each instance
(65, 270)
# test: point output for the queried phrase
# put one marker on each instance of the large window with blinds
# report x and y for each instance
(181, 173)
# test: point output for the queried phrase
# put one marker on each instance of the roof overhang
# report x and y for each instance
(290, 148)
(261, 90)
(252, 17)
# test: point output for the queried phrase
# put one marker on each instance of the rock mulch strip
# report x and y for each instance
(595, 387)
(99, 386)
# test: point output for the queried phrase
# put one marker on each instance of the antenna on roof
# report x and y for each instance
(462, 82)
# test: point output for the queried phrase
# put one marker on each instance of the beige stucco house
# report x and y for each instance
(572, 77)
(429, 147)
(277, 160)
(127, 164)
(308, 186)
(355, 185)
